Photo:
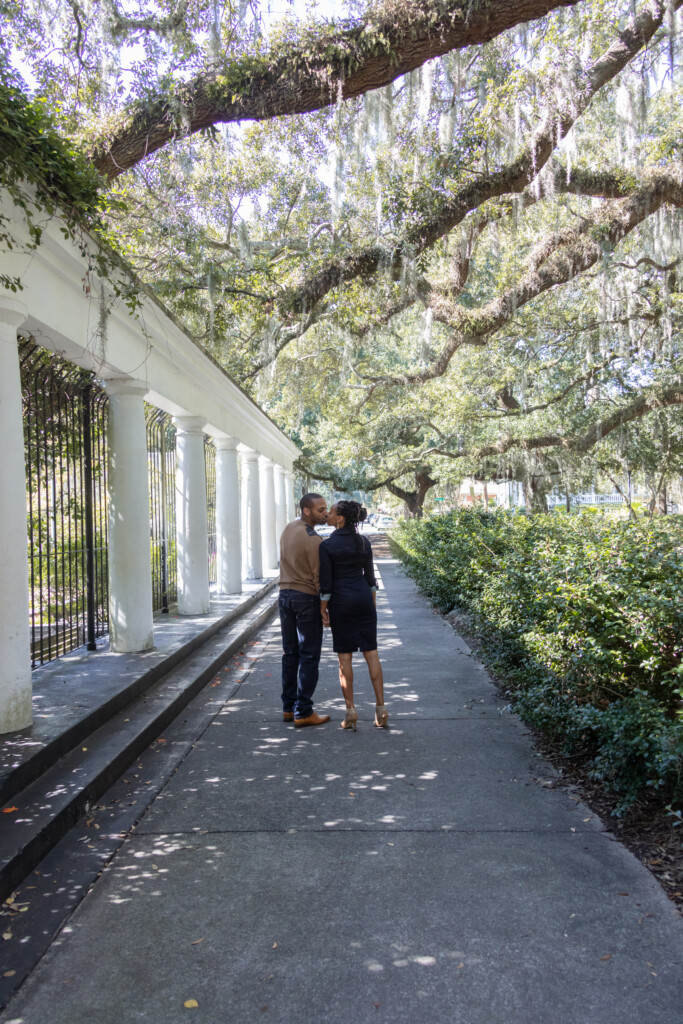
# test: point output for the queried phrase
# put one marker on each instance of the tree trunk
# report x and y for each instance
(538, 487)
(414, 500)
(662, 502)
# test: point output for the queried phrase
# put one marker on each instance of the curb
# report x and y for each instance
(52, 802)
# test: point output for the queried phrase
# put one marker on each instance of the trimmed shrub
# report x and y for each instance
(583, 615)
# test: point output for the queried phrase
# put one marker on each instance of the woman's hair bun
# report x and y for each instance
(362, 514)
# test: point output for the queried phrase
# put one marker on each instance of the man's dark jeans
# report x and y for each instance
(302, 640)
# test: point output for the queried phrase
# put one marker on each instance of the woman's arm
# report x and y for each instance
(325, 582)
(369, 565)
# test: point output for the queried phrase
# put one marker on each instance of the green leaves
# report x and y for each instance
(582, 616)
(35, 154)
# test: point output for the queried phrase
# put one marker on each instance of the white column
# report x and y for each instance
(281, 519)
(192, 540)
(228, 541)
(251, 515)
(292, 509)
(129, 555)
(268, 529)
(15, 677)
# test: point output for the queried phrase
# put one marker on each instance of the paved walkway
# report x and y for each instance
(424, 874)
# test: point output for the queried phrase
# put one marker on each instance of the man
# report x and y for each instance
(300, 618)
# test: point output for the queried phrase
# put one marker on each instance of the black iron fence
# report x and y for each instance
(65, 442)
(65, 438)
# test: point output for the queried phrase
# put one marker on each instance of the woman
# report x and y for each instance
(347, 602)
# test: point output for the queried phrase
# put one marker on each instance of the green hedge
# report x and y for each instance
(583, 616)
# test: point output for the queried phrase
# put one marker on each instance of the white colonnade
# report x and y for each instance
(15, 689)
(251, 515)
(192, 542)
(269, 534)
(140, 357)
(130, 578)
(228, 544)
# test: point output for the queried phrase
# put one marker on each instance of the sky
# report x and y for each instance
(271, 12)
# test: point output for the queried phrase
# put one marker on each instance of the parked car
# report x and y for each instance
(384, 522)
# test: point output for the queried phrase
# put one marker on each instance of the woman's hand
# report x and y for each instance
(325, 613)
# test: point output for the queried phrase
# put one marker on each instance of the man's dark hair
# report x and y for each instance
(308, 499)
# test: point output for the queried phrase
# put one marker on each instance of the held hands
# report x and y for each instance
(326, 616)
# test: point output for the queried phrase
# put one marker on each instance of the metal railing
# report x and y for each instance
(65, 414)
(586, 499)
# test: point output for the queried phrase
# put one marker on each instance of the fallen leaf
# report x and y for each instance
(275, 945)
(6, 935)
(9, 974)
(197, 941)
(84, 749)
(8, 810)
(608, 957)
(190, 1004)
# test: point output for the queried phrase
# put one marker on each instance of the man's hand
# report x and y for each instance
(326, 617)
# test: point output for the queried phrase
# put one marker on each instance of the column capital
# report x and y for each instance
(189, 424)
(265, 461)
(226, 444)
(249, 455)
(13, 313)
(125, 386)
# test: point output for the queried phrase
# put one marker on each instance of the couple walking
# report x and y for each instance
(327, 583)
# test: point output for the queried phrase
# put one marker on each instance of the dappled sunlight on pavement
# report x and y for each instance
(434, 871)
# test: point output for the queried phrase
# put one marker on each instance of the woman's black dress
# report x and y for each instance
(347, 580)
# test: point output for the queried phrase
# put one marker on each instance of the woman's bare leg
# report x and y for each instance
(346, 677)
(376, 675)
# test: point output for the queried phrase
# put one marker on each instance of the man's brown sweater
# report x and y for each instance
(299, 558)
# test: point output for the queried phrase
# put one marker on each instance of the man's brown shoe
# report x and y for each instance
(287, 716)
(312, 719)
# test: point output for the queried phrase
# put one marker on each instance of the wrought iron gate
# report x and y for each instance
(65, 441)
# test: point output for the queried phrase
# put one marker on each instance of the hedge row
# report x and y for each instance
(583, 617)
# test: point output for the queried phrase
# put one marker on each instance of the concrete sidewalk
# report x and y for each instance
(422, 874)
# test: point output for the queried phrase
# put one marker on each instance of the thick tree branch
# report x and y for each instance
(512, 408)
(122, 25)
(566, 255)
(513, 178)
(581, 443)
(333, 60)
